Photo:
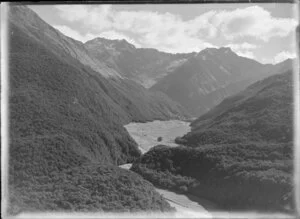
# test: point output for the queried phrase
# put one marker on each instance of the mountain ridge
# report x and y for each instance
(65, 118)
(212, 75)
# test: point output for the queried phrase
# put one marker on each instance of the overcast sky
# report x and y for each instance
(264, 32)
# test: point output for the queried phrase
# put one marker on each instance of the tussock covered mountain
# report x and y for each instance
(239, 154)
(66, 125)
(144, 66)
(210, 76)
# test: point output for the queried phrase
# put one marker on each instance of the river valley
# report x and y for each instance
(146, 135)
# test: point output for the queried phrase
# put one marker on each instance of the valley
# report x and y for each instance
(104, 126)
(146, 135)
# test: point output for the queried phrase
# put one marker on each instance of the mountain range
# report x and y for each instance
(69, 102)
(142, 65)
(197, 81)
(209, 77)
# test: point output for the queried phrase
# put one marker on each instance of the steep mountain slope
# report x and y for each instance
(145, 66)
(145, 107)
(66, 129)
(212, 75)
(240, 154)
(62, 45)
(262, 112)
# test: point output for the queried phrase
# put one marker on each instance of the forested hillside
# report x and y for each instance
(262, 112)
(238, 177)
(240, 154)
(66, 131)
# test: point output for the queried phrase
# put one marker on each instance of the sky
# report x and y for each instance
(264, 32)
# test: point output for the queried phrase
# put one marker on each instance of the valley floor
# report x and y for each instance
(146, 134)
(185, 206)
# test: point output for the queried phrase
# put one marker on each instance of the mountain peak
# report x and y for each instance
(117, 43)
(216, 50)
(225, 49)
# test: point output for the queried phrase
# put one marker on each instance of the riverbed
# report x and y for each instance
(146, 135)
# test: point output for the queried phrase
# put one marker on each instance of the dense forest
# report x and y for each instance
(88, 188)
(262, 112)
(249, 176)
(240, 154)
(66, 129)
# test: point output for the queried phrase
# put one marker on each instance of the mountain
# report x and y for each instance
(144, 66)
(262, 112)
(67, 111)
(198, 81)
(154, 105)
(62, 45)
(211, 75)
(239, 154)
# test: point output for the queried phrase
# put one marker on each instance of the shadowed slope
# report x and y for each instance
(67, 134)
(262, 112)
(210, 76)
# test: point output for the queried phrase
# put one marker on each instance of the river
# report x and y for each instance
(146, 135)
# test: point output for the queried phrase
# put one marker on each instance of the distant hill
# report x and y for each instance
(210, 76)
(66, 125)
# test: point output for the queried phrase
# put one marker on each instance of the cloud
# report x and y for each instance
(281, 57)
(72, 12)
(253, 21)
(170, 33)
(114, 35)
(163, 31)
(95, 17)
(247, 54)
(242, 46)
(244, 49)
(74, 34)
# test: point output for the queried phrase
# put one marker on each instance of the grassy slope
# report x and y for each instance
(239, 156)
(63, 120)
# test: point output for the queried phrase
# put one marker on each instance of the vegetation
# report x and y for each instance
(91, 188)
(242, 176)
(263, 112)
(212, 75)
(240, 154)
(66, 128)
